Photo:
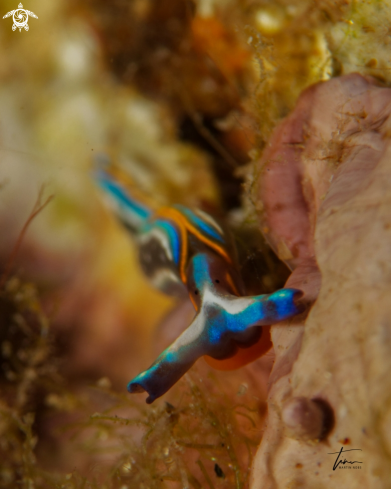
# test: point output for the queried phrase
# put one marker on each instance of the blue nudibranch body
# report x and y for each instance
(185, 251)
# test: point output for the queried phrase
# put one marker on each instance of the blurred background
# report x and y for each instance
(182, 95)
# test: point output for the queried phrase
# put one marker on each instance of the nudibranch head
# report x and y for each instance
(223, 324)
(210, 271)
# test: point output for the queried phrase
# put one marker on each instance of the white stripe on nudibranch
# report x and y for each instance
(161, 236)
(191, 333)
(164, 276)
(209, 219)
(233, 305)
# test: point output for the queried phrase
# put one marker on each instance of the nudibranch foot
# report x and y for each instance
(223, 324)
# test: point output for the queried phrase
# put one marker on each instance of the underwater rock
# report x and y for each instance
(326, 187)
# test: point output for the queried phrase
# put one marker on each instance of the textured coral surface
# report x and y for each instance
(339, 355)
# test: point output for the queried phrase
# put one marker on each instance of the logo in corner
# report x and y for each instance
(341, 464)
(20, 17)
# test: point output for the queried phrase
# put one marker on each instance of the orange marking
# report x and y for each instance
(184, 225)
(184, 250)
(193, 301)
(178, 217)
(244, 355)
(166, 213)
(231, 284)
(208, 242)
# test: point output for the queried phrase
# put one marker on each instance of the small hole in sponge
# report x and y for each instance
(217, 281)
(328, 417)
(196, 292)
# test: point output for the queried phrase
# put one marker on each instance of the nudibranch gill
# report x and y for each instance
(186, 252)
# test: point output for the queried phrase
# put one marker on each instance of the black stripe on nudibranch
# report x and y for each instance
(159, 267)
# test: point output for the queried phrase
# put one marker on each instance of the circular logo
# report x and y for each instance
(20, 18)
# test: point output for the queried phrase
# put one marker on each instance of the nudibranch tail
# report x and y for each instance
(131, 209)
(223, 324)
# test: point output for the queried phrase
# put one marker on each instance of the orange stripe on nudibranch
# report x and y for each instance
(178, 217)
(172, 215)
(184, 252)
(193, 301)
(166, 213)
(219, 249)
(231, 283)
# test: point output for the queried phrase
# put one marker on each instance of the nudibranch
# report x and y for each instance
(186, 252)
